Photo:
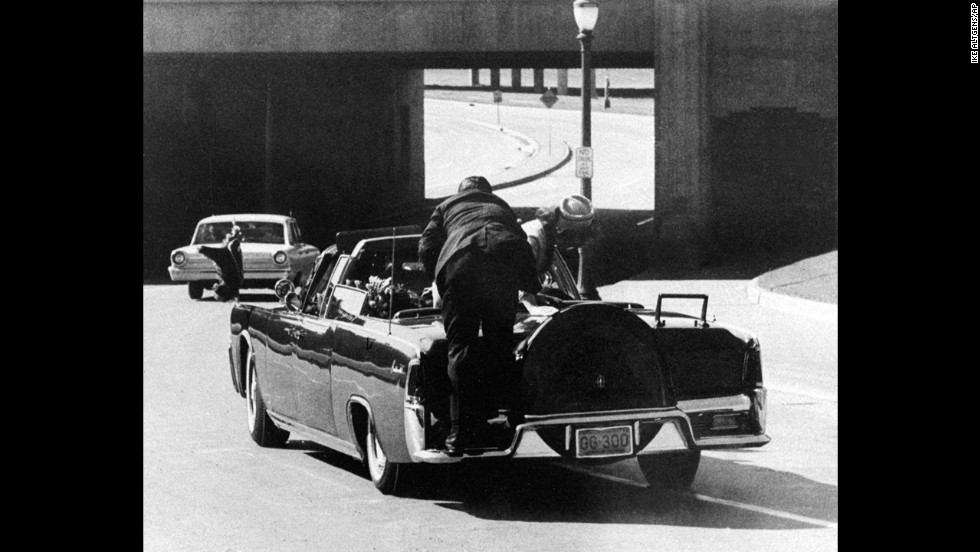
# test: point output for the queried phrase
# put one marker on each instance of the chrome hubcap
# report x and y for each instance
(376, 456)
(251, 389)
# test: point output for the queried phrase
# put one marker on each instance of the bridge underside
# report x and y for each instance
(335, 144)
(249, 114)
(421, 28)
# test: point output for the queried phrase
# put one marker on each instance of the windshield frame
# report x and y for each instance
(562, 275)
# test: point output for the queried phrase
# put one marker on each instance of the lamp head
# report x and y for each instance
(586, 13)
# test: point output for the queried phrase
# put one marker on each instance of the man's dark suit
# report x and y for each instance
(479, 256)
(228, 258)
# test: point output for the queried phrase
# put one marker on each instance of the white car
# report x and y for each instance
(272, 249)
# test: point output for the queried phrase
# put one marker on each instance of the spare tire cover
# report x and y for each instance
(592, 357)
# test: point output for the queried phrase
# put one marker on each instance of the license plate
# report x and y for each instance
(724, 422)
(606, 441)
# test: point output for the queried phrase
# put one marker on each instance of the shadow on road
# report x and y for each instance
(242, 298)
(249, 295)
(258, 297)
(544, 492)
(329, 456)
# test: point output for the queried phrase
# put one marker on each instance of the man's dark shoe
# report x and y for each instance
(440, 430)
(455, 443)
(467, 437)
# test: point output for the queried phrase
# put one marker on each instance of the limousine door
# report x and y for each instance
(313, 374)
(277, 380)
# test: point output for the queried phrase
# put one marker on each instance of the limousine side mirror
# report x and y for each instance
(292, 301)
(282, 288)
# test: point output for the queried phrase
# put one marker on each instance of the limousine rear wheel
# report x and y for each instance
(675, 470)
(260, 426)
(387, 476)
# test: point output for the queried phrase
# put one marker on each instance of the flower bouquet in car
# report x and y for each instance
(380, 294)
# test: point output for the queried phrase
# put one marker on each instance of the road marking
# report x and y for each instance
(275, 461)
(766, 511)
(617, 479)
(705, 498)
(240, 450)
(803, 393)
(286, 464)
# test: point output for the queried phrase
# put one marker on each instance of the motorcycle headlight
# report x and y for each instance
(179, 258)
(279, 257)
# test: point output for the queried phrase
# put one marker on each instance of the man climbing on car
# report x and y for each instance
(478, 255)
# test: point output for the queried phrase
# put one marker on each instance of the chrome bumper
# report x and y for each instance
(752, 408)
(675, 431)
(185, 275)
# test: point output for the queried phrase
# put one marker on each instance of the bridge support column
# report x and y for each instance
(474, 77)
(772, 106)
(515, 77)
(539, 80)
(562, 82)
(681, 128)
(495, 79)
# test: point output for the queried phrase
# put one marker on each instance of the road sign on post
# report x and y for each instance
(583, 162)
(549, 98)
(498, 97)
(606, 104)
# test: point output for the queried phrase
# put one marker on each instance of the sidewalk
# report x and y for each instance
(539, 162)
(807, 287)
(813, 279)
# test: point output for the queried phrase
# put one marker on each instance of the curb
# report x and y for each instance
(790, 304)
(537, 175)
(534, 148)
(531, 142)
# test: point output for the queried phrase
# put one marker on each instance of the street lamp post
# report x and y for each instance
(586, 13)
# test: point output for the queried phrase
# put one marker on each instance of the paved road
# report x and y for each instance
(207, 487)
(623, 144)
(450, 138)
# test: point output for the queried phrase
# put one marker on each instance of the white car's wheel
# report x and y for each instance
(260, 426)
(388, 477)
(195, 290)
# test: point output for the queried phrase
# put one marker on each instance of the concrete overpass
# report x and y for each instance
(315, 107)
